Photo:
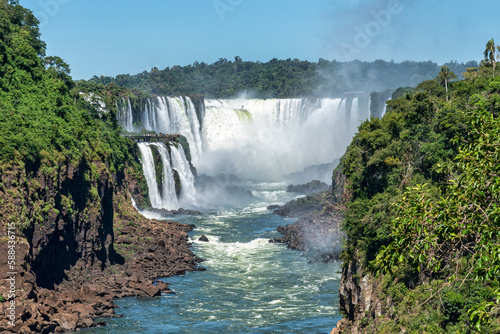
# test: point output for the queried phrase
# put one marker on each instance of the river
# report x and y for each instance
(250, 285)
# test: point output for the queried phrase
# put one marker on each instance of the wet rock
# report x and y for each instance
(163, 212)
(181, 211)
(203, 238)
(198, 259)
(317, 231)
(163, 286)
(274, 207)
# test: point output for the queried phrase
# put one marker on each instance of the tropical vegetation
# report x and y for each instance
(423, 198)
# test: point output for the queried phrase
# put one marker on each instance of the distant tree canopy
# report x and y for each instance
(280, 78)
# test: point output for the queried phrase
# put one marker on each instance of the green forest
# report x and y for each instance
(279, 78)
(43, 116)
(422, 193)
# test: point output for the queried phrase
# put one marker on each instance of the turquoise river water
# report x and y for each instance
(250, 286)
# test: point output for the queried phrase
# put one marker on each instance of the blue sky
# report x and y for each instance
(104, 37)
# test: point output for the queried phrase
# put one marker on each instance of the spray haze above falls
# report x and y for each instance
(253, 139)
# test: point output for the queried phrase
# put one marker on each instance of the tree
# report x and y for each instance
(238, 63)
(58, 64)
(489, 53)
(444, 76)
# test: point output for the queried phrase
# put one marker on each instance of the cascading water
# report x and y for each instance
(385, 108)
(278, 136)
(174, 115)
(181, 165)
(148, 166)
(354, 112)
(257, 139)
(165, 196)
(125, 117)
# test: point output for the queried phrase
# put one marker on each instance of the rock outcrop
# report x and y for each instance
(79, 244)
(361, 301)
(360, 294)
(317, 229)
(309, 188)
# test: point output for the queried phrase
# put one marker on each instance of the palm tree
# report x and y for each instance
(444, 76)
(489, 53)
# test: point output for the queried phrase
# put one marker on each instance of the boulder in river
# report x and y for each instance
(203, 238)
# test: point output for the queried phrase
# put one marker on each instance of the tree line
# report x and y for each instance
(278, 78)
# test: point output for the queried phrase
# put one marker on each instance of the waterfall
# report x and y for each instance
(169, 196)
(385, 108)
(174, 115)
(125, 117)
(148, 167)
(149, 116)
(281, 112)
(277, 136)
(181, 165)
(255, 138)
(354, 112)
(164, 196)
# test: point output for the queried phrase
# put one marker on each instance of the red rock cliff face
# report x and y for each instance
(79, 243)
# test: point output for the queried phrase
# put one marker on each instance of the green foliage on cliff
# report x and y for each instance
(278, 78)
(423, 187)
(44, 120)
(40, 110)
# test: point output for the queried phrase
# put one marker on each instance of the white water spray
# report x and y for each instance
(181, 165)
(174, 115)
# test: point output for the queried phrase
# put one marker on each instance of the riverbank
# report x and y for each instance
(150, 249)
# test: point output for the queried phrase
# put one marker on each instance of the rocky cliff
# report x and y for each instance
(79, 243)
(359, 292)
(361, 301)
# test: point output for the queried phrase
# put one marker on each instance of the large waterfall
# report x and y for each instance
(252, 138)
